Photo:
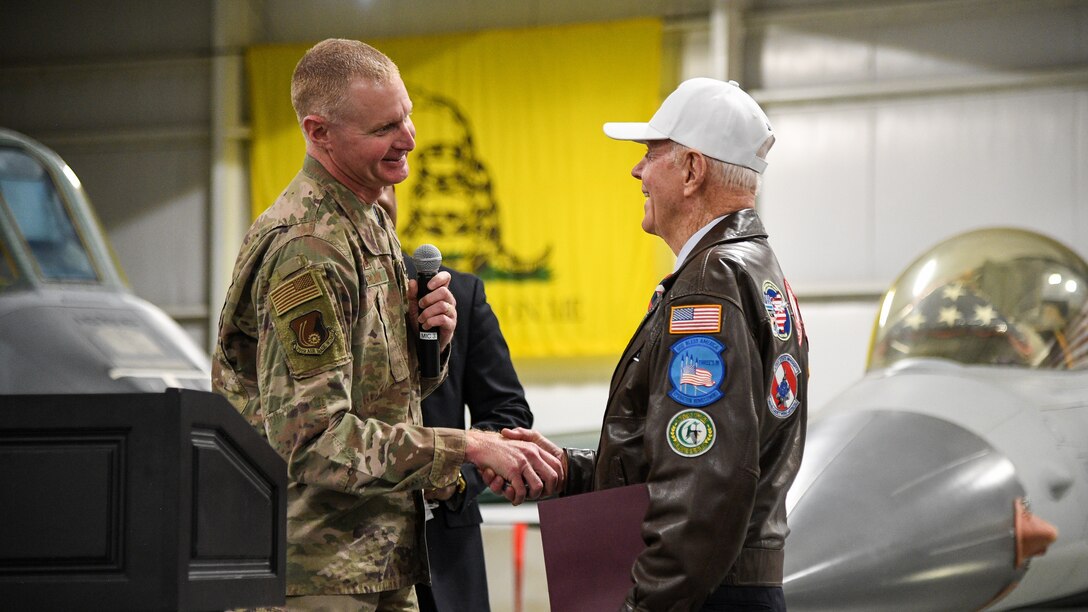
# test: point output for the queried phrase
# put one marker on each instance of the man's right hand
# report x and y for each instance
(526, 469)
(498, 484)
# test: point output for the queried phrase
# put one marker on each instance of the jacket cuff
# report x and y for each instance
(580, 464)
(449, 454)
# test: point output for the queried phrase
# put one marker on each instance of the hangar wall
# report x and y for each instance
(121, 91)
(900, 124)
(903, 124)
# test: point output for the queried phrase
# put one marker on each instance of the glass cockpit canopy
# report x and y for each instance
(42, 221)
(992, 297)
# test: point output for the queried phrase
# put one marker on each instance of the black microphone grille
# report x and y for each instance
(427, 258)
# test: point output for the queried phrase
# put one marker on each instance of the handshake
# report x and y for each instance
(518, 464)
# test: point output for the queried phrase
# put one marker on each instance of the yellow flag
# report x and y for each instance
(512, 177)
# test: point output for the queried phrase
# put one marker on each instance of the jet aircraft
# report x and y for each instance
(936, 481)
(68, 323)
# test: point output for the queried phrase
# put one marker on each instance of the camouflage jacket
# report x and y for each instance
(314, 351)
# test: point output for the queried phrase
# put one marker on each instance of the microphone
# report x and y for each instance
(427, 259)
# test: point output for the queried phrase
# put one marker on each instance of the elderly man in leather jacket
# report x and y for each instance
(708, 403)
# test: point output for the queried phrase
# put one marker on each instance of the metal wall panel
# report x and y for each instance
(854, 193)
(901, 124)
(63, 30)
(1080, 168)
(950, 165)
(881, 41)
(153, 201)
(817, 197)
(119, 97)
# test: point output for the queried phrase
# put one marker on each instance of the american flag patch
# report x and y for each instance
(294, 292)
(691, 374)
(695, 319)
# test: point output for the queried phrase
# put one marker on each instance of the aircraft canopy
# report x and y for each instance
(993, 297)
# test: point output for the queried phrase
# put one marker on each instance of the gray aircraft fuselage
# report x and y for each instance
(905, 496)
(914, 483)
(68, 323)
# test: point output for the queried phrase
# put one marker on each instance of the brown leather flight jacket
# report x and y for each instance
(708, 406)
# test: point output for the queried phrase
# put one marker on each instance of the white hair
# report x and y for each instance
(730, 176)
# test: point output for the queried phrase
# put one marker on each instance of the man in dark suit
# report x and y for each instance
(482, 377)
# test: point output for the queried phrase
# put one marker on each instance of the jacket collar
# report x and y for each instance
(743, 224)
(363, 215)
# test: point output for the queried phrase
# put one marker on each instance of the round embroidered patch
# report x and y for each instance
(691, 433)
(696, 370)
(778, 311)
(783, 398)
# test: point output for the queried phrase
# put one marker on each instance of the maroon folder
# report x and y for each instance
(590, 543)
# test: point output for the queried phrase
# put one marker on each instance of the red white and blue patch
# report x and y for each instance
(783, 399)
(696, 371)
(695, 319)
(797, 319)
(777, 310)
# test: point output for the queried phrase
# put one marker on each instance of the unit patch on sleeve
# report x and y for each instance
(696, 371)
(691, 433)
(306, 323)
(703, 318)
(778, 310)
(783, 400)
(311, 335)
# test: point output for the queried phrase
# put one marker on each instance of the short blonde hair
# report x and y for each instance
(319, 85)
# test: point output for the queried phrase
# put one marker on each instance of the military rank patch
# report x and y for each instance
(375, 274)
(783, 400)
(691, 433)
(294, 292)
(702, 318)
(696, 371)
(777, 310)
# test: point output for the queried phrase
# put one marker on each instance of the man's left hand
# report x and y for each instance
(438, 309)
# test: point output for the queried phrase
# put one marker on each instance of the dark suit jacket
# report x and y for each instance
(481, 376)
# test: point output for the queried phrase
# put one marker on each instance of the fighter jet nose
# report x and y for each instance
(892, 507)
(1033, 534)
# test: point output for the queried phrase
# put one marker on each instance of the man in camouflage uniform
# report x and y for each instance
(314, 349)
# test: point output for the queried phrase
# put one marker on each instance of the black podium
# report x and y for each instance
(159, 501)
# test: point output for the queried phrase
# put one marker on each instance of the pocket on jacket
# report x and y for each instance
(626, 464)
(384, 355)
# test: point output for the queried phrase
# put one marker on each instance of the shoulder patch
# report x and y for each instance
(783, 400)
(307, 324)
(291, 293)
(691, 433)
(311, 335)
(798, 321)
(696, 318)
(696, 371)
(777, 311)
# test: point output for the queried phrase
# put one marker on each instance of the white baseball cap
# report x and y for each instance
(716, 118)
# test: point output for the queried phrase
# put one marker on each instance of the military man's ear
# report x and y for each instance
(315, 128)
